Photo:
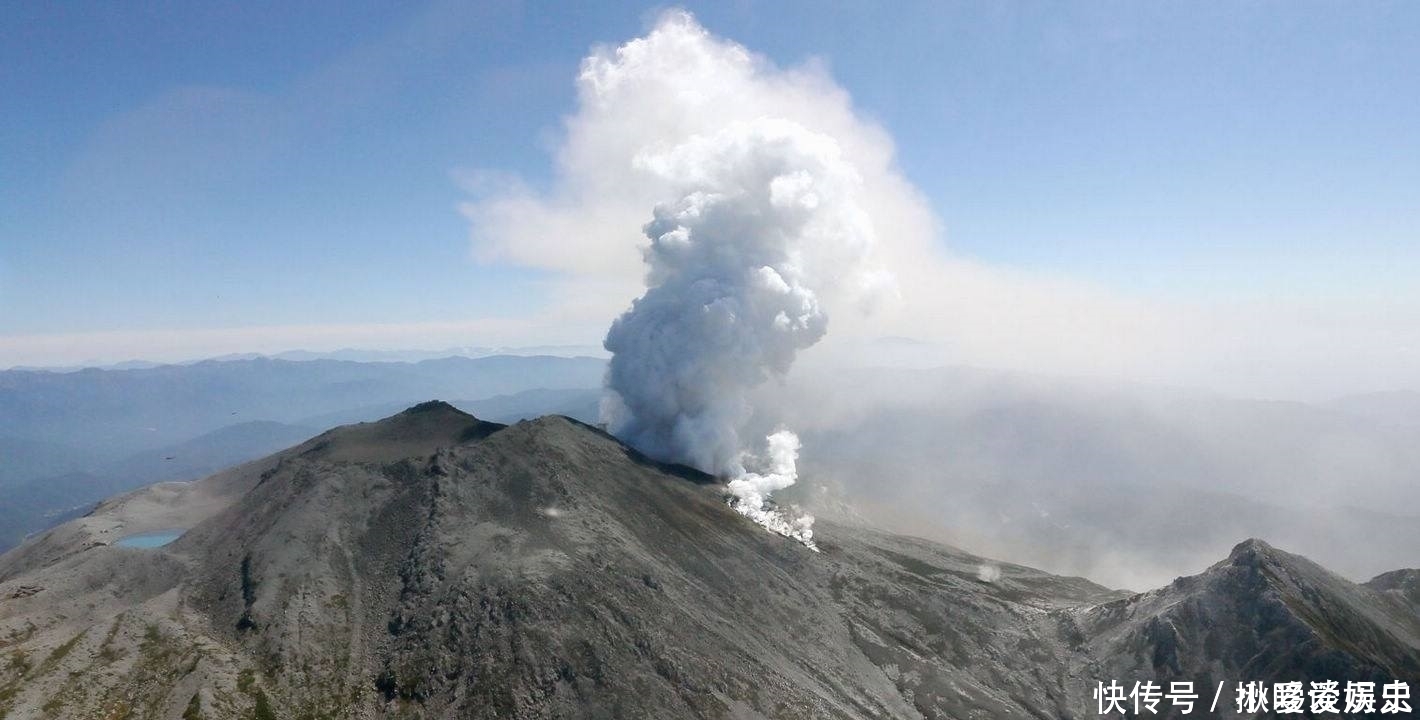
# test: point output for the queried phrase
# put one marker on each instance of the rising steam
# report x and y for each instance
(763, 220)
(759, 184)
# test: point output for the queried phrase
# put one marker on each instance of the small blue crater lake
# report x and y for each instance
(154, 539)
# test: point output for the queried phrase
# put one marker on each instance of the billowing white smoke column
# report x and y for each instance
(762, 221)
(752, 490)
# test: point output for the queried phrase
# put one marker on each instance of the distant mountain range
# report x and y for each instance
(118, 412)
(36, 504)
(348, 354)
(68, 440)
(435, 565)
(1131, 486)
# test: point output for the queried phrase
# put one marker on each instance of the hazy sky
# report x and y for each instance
(266, 176)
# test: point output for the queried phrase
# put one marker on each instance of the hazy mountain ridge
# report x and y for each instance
(435, 565)
(346, 354)
(1396, 411)
(37, 504)
(1402, 584)
(1078, 477)
(1129, 484)
(129, 410)
(75, 438)
(23, 459)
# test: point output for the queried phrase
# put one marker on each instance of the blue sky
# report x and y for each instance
(184, 166)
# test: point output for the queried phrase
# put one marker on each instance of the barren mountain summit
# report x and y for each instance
(435, 565)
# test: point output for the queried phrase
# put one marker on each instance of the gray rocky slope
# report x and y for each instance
(432, 565)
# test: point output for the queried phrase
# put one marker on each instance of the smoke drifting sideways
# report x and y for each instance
(762, 221)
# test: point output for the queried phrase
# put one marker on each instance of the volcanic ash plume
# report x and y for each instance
(764, 224)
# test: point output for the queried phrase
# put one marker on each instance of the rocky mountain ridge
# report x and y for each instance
(434, 565)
